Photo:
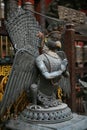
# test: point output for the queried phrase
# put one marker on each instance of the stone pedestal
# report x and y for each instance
(41, 115)
(78, 122)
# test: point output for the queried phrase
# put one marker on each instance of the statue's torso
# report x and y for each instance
(46, 88)
(52, 64)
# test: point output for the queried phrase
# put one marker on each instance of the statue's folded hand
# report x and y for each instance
(65, 62)
(63, 67)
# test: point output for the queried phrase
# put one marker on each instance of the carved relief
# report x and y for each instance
(71, 15)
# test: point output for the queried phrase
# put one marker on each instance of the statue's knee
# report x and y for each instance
(33, 87)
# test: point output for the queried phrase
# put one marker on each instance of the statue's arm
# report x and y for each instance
(52, 75)
(44, 71)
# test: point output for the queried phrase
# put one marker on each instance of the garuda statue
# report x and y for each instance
(37, 74)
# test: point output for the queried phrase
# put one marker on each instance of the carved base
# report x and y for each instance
(38, 114)
(78, 122)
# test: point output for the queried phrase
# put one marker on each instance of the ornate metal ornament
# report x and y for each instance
(51, 115)
(31, 73)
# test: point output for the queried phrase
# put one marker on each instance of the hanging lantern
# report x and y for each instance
(79, 53)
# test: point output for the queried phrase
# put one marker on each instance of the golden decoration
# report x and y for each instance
(2, 86)
(60, 94)
(18, 106)
(21, 102)
(4, 72)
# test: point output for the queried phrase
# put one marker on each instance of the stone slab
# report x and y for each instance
(78, 122)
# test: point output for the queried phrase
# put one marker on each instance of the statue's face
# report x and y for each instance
(53, 45)
(56, 36)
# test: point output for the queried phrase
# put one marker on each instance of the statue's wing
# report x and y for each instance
(65, 80)
(22, 28)
(22, 75)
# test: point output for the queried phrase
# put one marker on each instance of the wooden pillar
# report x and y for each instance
(40, 8)
(70, 52)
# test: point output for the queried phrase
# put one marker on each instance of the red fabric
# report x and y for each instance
(85, 11)
(48, 1)
(81, 44)
(19, 2)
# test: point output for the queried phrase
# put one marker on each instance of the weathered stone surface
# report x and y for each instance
(78, 122)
